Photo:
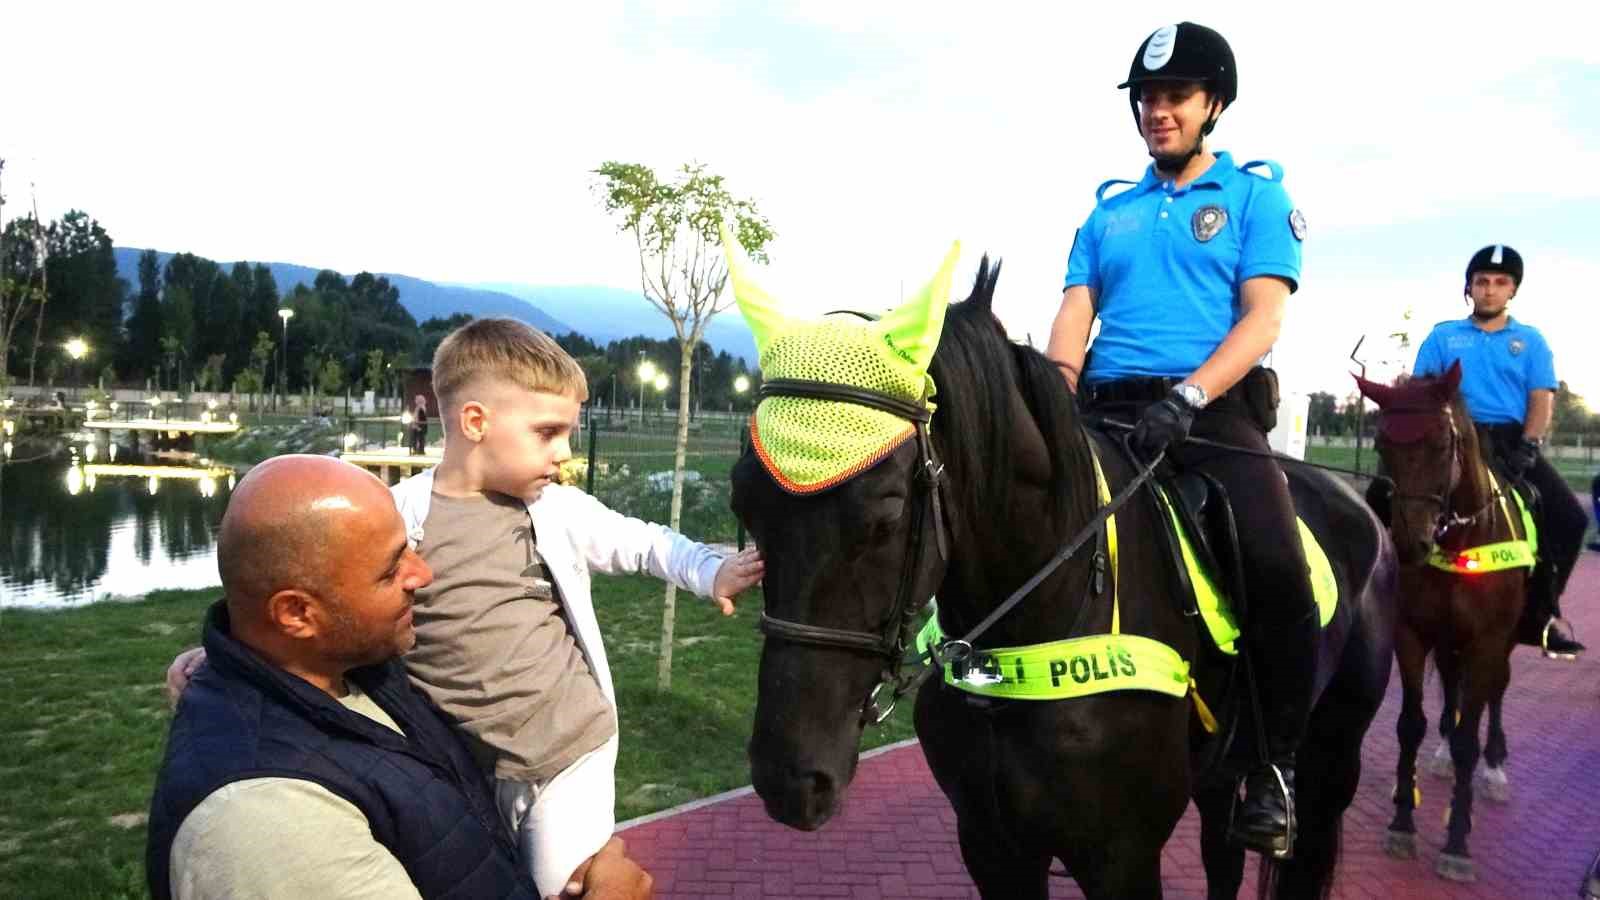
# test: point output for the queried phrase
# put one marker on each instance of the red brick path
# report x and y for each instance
(896, 836)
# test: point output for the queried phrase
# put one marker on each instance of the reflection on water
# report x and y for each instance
(105, 521)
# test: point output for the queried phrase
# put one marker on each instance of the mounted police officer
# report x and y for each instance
(1189, 272)
(1508, 380)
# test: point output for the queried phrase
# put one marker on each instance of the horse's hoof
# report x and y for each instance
(1440, 764)
(1494, 785)
(1456, 868)
(1400, 844)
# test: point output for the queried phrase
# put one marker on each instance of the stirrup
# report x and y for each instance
(1544, 640)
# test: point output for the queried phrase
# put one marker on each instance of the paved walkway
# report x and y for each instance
(896, 836)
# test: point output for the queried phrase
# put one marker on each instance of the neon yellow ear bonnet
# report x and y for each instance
(809, 445)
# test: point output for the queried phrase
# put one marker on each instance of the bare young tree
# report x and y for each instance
(674, 225)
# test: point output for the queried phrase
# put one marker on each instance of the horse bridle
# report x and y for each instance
(1447, 518)
(896, 636)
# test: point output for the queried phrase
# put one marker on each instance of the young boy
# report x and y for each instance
(507, 640)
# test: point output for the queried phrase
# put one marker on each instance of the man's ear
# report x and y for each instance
(474, 420)
(295, 613)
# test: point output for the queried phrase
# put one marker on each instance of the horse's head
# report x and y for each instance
(1423, 437)
(839, 490)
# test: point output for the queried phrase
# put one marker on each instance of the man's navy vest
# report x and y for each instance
(422, 794)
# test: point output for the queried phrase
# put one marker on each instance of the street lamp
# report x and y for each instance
(284, 313)
(647, 374)
(661, 388)
(77, 348)
(740, 385)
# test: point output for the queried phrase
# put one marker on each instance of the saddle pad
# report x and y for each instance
(1217, 610)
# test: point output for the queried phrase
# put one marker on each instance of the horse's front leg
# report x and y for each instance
(999, 868)
(1223, 859)
(1410, 728)
(1449, 666)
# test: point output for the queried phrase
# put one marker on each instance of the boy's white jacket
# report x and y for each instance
(577, 535)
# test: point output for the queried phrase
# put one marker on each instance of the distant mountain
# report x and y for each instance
(605, 314)
(423, 299)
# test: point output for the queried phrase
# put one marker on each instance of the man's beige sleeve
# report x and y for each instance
(282, 839)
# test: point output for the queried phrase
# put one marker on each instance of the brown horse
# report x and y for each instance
(1447, 503)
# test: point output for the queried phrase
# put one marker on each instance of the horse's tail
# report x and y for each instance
(1313, 870)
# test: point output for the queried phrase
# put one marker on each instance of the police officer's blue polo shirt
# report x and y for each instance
(1165, 264)
(1498, 368)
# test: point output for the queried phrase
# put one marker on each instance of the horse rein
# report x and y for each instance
(897, 634)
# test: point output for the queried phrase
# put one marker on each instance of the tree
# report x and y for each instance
(145, 327)
(1322, 414)
(675, 227)
(209, 376)
(373, 377)
(260, 358)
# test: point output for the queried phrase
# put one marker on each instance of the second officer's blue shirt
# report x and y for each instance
(1165, 265)
(1498, 368)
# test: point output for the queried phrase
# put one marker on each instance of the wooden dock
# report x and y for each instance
(393, 463)
(172, 426)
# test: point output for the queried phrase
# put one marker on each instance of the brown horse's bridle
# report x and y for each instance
(897, 634)
(1447, 519)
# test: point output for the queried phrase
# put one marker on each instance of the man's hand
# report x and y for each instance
(1162, 423)
(182, 669)
(737, 573)
(1521, 457)
(610, 875)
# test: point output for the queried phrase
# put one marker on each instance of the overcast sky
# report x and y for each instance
(454, 142)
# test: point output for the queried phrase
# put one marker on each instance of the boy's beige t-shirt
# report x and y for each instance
(494, 649)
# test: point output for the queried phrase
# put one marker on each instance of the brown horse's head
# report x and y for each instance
(1426, 441)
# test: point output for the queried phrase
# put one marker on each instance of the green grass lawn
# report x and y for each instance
(85, 722)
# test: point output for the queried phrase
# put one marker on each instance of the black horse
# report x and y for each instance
(1097, 782)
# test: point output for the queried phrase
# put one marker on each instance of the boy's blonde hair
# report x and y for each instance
(505, 350)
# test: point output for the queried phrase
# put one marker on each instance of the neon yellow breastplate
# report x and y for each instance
(1499, 556)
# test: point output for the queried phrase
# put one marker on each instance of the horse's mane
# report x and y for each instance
(975, 369)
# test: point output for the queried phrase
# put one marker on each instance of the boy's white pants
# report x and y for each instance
(562, 822)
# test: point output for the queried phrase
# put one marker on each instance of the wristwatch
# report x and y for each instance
(1192, 394)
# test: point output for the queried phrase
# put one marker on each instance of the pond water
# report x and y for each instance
(102, 521)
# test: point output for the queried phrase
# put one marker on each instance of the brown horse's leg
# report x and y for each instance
(1410, 728)
(1487, 672)
(1495, 785)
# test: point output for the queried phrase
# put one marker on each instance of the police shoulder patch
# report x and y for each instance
(1297, 224)
(1517, 346)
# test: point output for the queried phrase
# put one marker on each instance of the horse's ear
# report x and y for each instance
(913, 328)
(1452, 378)
(1380, 394)
(760, 311)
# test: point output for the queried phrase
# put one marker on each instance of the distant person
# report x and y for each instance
(507, 639)
(419, 426)
(1594, 500)
(1508, 380)
(301, 761)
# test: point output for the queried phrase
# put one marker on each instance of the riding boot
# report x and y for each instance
(1265, 821)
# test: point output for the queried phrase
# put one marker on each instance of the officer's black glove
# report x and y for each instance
(1160, 424)
(1520, 458)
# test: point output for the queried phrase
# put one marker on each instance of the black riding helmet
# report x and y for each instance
(1495, 258)
(1184, 52)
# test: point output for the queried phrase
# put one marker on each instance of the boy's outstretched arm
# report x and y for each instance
(737, 573)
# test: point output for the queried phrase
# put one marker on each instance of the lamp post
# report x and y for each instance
(77, 349)
(284, 313)
(661, 388)
(740, 385)
(647, 374)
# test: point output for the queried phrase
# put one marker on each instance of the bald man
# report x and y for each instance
(301, 762)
